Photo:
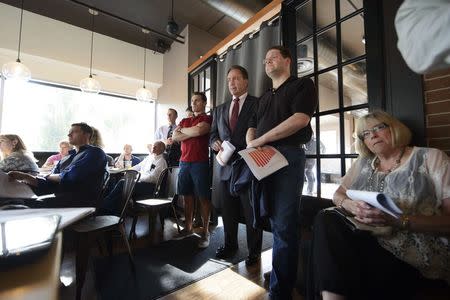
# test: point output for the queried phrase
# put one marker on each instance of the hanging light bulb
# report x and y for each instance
(89, 84)
(143, 94)
(16, 69)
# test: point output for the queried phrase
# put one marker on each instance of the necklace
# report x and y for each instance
(375, 163)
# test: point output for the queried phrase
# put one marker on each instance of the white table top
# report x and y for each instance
(68, 215)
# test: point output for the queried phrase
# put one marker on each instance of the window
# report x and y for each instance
(331, 51)
(201, 81)
(42, 113)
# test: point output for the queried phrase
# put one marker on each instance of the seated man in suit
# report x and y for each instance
(230, 123)
(150, 169)
(77, 178)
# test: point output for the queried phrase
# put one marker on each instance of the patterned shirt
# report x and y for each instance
(19, 161)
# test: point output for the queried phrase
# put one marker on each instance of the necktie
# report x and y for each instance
(169, 133)
(234, 114)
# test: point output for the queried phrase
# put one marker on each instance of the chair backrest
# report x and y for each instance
(101, 194)
(130, 178)
(172, 181)
(161, 184)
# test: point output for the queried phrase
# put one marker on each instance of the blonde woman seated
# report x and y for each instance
(64, 148)
(126, 158)
(352, 265)
(97, 141)
(14, 155)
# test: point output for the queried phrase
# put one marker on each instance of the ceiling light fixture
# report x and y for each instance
(16, 69)
(143, 94)
(172, 27)
(89, 84)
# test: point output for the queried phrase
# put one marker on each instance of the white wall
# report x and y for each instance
(58, 52)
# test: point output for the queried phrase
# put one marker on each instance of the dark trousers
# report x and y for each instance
(112, 204)
(285, 188)
(230, 215)
(353, 264)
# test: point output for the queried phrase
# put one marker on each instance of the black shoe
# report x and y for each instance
(224, 252)
(266, 276)
(252, 259)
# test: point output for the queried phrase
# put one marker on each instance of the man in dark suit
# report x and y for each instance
(230, 123)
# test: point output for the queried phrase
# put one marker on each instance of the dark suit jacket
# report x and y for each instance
(220, 129)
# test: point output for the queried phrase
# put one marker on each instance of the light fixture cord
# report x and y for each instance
(92, 44)
(20, 32)
(145, 56)
(172, 9)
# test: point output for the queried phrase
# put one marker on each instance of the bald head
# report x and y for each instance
(158, 148)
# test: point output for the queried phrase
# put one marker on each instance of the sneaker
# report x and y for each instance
(184, 234)
(204, 241)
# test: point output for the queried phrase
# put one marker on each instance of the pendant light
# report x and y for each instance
(89, 84)
(16, 69)
(143, 94)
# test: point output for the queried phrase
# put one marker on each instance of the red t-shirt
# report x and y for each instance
(195, 149)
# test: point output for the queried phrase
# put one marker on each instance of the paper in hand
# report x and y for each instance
(263, 161)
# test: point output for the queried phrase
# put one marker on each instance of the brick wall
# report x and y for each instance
(437, 109)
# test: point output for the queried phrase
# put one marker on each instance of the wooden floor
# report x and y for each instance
(236, 282)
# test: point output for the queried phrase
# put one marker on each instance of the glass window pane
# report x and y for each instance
(304, 20)
(208, 78)
(202, 81)
(330, 134)
(208, 100)
(352, 34)
(348, 163)
(195, 78)
(310, 183)
(354, 81)
(326, 48)
(350, 6)
(53, 109)
(349, 128)
(326, 13)
(330, 176)
(305, 58)
(328, 91)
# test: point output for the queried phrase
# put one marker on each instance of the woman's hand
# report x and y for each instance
(366, 213)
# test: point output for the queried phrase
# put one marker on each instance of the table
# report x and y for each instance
(40, 279)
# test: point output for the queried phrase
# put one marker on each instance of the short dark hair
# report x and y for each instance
(241, 69)
(174, 111)
(285, 52)
(201, 94)
(84, 127)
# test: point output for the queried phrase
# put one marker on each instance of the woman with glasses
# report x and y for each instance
(346, 264)
(14, 155)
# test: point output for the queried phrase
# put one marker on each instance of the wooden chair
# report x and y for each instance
(90, 229)
(165, 195)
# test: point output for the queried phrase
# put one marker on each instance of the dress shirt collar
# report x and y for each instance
(241, 97)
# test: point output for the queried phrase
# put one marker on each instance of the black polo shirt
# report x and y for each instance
(295, 95)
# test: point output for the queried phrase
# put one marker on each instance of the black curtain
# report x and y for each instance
(249, 54)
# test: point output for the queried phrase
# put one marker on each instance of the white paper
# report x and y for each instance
(263, 162)
(378, 200)
(225, 154)
(14, 188)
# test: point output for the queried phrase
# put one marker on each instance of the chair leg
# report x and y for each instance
(176, 217)
(133, 229)
(124, 236)
(82, 259)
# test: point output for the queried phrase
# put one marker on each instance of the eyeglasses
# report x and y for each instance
(368, 132)
(270, 59)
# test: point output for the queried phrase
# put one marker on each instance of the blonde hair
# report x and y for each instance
(400, 134)
(96, 138)
(19, 146)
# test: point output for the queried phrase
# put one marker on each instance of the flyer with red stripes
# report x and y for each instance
(263, 161)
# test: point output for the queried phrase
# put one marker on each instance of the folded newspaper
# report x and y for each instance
(263, 161)
(14, 189)
(381, 201)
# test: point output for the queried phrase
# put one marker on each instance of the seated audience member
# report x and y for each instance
(14, 155)
(77, 178)
(64, 148)
(97, 141)
(150, 169)
(352, 265)
(126, 156)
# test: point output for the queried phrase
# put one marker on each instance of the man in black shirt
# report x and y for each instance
(282, 120)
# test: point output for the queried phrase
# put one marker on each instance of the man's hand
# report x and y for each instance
(169, 141)
(259, 142)
(217, 145)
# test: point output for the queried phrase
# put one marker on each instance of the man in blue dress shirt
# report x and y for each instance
(77, 179)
